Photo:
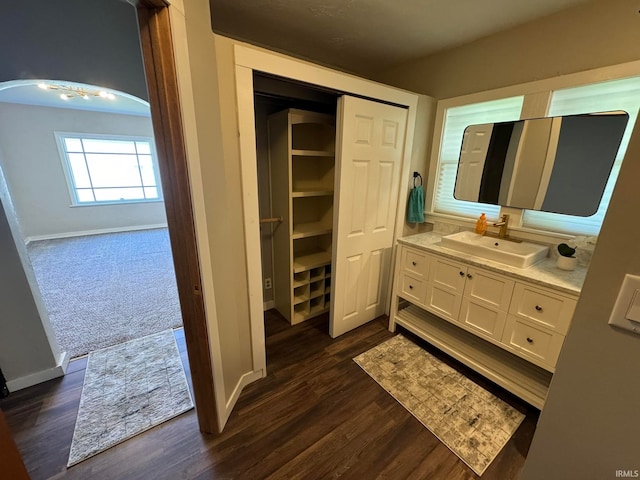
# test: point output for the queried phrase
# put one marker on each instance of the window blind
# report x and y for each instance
(456, 120)
(600, 97)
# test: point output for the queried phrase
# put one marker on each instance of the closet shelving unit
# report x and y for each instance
(302, 156)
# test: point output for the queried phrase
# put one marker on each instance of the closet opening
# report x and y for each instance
(295, 128)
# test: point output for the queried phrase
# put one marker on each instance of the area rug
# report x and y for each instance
(472, 422)
(129, 388)
(102, 290)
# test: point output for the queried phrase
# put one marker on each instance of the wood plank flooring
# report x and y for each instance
(316, 415)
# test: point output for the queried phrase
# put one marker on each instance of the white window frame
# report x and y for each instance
(536, 104)
(66, 166)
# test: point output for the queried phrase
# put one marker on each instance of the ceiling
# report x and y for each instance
(367, 36)
(358, 36)
(27, 92)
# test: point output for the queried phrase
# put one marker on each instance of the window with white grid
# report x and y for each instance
(109, 169)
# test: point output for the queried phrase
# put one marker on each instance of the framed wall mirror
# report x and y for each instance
(553, 164)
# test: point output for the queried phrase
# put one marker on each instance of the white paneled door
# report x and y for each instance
(369, 152)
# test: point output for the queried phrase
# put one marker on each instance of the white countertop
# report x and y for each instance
(544, 273)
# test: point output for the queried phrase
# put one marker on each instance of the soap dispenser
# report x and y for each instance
(481, 224)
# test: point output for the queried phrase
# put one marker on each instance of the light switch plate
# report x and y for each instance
(627, 305)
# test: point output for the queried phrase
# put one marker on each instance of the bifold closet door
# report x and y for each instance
(369, 152)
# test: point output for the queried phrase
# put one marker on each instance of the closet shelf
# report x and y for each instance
(310, 260)
(310, 229)
(311, 153)
(312, 193)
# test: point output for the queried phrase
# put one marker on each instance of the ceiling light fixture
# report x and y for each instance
(69, 92)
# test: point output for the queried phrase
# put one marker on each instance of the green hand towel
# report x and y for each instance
(415, 209)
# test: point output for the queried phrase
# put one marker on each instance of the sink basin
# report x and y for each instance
(519, 255)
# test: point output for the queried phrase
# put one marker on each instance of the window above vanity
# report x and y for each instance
(558, 97)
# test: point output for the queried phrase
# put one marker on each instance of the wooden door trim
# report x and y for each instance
(159, 64)
(10, 459)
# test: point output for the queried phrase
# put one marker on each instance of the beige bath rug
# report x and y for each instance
(129, 388)
(472, 422)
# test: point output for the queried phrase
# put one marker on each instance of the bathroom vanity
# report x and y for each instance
(507, 323)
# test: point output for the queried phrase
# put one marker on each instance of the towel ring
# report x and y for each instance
(416, 175)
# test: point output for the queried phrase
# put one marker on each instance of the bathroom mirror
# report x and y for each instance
(553, 164)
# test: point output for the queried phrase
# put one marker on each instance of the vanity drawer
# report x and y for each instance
(415, 262)
(413, 289)
(542, 306)
(537, 344)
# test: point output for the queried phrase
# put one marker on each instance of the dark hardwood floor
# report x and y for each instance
(316, 415)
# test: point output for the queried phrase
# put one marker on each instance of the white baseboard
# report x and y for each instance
(54, 236)
(42, 376)
(245, 380)
(268, 305)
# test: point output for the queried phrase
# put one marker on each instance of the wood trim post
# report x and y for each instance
(11, 465)
(159, 64)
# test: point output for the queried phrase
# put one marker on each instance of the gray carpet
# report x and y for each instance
(128, 389)
(101, 290)
(472, 422)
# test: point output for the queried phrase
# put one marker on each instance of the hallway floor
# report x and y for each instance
(316, 415)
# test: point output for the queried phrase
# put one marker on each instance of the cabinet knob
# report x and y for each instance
(529, 339)
(538, 308)
(469, 276)
(410, 287)
(462, 274)
(414, 263)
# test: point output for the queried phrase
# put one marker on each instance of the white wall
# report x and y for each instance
(22, 317)
(34, 173)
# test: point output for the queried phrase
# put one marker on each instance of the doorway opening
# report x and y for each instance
(81, 169)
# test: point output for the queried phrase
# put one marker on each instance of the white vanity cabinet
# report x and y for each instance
(505, 328)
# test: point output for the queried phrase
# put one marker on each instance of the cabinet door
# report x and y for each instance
(482, 319)
(487, 288)
(485, 302)
(445, 288)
